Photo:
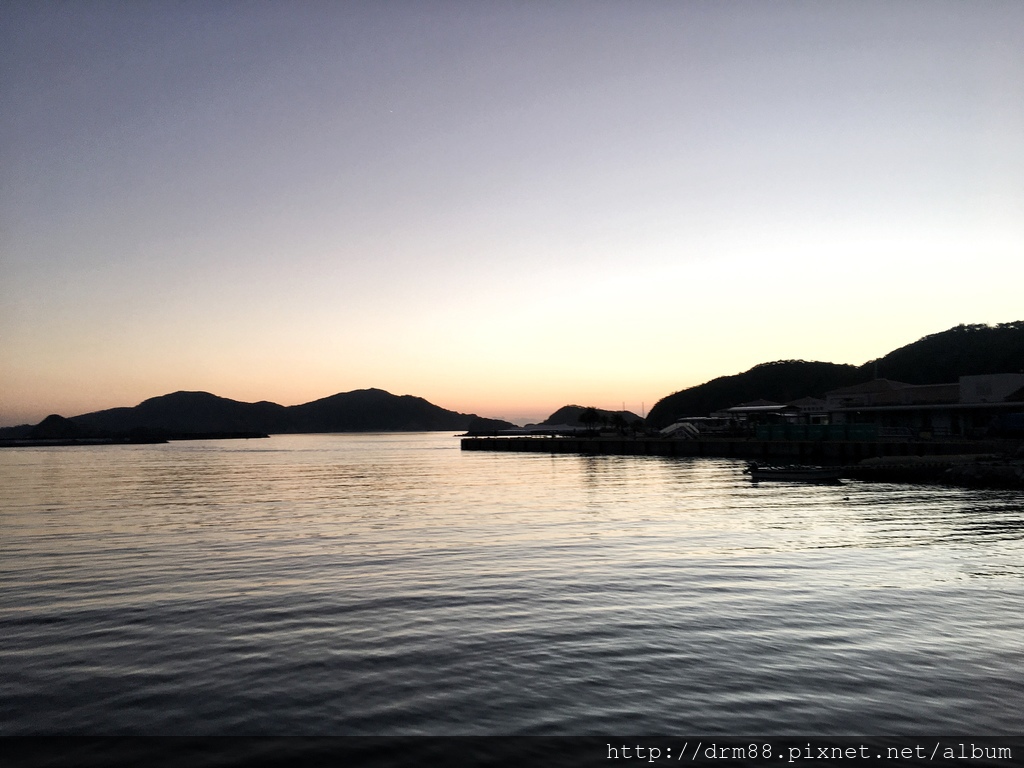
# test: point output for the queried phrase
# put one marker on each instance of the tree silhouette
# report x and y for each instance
(589, 417)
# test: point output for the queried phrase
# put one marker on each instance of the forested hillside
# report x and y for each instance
(780, 382)
(965, 350)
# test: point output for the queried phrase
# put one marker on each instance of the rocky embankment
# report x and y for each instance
(972, 470)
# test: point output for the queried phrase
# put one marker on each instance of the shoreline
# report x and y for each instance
(974, 463)
(153, 438)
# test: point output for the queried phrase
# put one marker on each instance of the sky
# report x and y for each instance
(501, 207)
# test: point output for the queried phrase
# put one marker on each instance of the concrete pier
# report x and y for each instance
(791, 451)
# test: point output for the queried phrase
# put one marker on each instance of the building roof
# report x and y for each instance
(1015, 397)
(770, 408)
(887, 392)
(808, 402)
(869, 387)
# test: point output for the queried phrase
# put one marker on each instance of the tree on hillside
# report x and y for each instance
(589, 417)
(780, 382)
(965, 350)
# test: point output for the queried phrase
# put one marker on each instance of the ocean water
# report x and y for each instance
(390, 584)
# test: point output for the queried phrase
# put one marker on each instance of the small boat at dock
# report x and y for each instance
(801, 474)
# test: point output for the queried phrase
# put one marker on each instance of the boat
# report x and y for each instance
(802, 474)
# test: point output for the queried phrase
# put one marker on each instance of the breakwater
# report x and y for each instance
(985, 463)
(971, 470)
(797, 451)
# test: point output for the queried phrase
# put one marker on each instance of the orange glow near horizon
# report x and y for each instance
(499, 213)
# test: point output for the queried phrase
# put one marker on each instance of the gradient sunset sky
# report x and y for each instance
(502, 207)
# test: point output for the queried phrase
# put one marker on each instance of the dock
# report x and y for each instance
(794, 451)
(981, 463)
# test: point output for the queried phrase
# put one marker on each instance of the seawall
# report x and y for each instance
(981, 463)
(794, 451)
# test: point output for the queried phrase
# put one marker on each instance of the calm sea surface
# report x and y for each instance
(392, 584)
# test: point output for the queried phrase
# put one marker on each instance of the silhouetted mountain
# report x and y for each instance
(373, 410)
(19, 432)
(779, 382)
(57, 430)
(965, 350)
(55, 427)
(482, 426)
(190, 413)
(570, 415)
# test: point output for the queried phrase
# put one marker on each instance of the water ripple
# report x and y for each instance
(391, 584)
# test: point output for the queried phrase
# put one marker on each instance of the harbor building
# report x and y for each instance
(973, 407)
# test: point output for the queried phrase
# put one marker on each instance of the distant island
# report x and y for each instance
(577, 416)
(185, 415)
(966, 350)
